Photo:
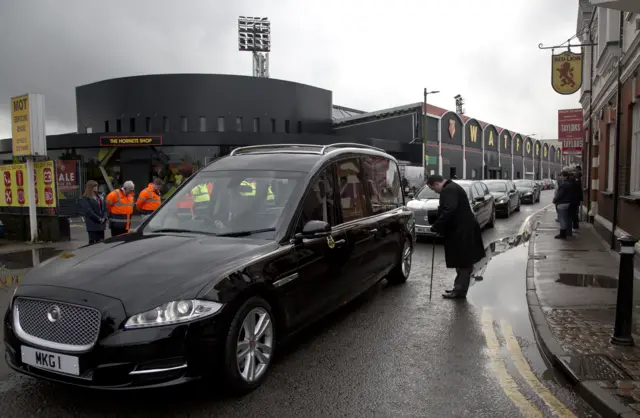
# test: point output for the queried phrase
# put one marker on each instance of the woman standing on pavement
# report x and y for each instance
(562, 200)
(94, 209)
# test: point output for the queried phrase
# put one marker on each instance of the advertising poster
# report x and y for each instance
(14, 185)
(571, 131)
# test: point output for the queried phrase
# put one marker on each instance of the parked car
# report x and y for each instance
(529, 192)
(481, 201)
(425, 207)
(506, 195)
(290, 233)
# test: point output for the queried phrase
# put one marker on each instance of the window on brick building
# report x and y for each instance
(611, 158)
(634, 180)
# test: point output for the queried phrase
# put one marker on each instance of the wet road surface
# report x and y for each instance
(391, 353)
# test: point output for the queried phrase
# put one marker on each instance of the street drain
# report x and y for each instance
(593, 367)
(587, 280)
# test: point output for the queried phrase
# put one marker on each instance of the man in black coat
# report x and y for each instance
(576, 197)
(456, 223)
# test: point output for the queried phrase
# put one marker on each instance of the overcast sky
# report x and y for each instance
(372, 54)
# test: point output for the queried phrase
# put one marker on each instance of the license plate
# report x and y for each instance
(41, 359)
(421, 229)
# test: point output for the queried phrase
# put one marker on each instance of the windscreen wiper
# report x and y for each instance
(246, 233)
(178, 230)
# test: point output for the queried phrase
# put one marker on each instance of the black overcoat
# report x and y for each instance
(463, 246)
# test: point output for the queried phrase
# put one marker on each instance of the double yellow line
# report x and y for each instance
(508, 384)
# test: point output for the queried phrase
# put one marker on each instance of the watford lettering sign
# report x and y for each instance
(566, 72)
(130, 141)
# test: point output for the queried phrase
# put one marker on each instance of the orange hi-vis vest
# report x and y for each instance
(148, 200)
(120, 208)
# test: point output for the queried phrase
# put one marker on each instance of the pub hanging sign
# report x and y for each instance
(566, 72)
(130, 141)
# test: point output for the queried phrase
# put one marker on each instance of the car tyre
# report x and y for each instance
(402, 269)
(492, 221)
(241, 376)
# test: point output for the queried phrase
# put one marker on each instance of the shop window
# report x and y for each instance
(518, 175)
(184, 124)
(221, 124)
(299, 127)
(88, 130)
(106, 126)
(383, 183)
(286, 126)
(256, 124)
(118, 125)
(273, 125)
(239, 124)
(147, 124)
(132, 125)
(354, 202)
(634, 180)
(203, 124)
(165, 124)
(611, 158)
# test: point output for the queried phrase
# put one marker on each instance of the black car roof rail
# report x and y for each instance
(315, 149)
(349, 145)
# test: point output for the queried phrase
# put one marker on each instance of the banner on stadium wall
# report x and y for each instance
(14, 185)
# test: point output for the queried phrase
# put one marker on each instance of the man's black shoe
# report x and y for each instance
(454, 295)
(478, 278)
(448, 291)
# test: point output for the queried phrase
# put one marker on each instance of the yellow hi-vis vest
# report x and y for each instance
(270, 195)
(200, 193)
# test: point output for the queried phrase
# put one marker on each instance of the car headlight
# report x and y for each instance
(527, 193)
(503, 200)
(174, 313)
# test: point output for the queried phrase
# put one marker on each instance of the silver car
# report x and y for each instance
(425, 207)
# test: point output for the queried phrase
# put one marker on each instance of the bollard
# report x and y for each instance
(624, 303)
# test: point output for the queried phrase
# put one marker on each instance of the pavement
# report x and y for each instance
(392, 353)
(571, 292)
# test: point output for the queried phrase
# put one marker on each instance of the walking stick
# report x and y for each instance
(433, 257)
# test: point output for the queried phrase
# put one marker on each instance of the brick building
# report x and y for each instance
(601, 27)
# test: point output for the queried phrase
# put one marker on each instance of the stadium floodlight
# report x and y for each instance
(254, 35)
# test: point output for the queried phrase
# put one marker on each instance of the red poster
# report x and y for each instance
(21, 197)
(48, 195)
(8, 197)
(48, 175)
(570, 125)
(66, 178)
(19, 178)
(7, 179)
(35, 177)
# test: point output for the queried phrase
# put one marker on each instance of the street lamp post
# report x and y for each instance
(425, 156)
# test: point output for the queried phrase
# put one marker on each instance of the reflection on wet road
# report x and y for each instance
(391, 353)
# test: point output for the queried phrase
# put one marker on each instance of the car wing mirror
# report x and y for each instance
(314, 229)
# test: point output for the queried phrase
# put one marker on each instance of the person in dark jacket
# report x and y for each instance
(94, 209)
(456, 223)
(562, 200)
(576, 197)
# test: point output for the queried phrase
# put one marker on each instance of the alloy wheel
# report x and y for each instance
(406, 259)
(255, 344)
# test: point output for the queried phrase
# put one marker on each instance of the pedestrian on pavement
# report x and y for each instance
(94, 210)
(562, 200)
(120, 208)
(576, 197)
(149, 198)
(456, 223)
